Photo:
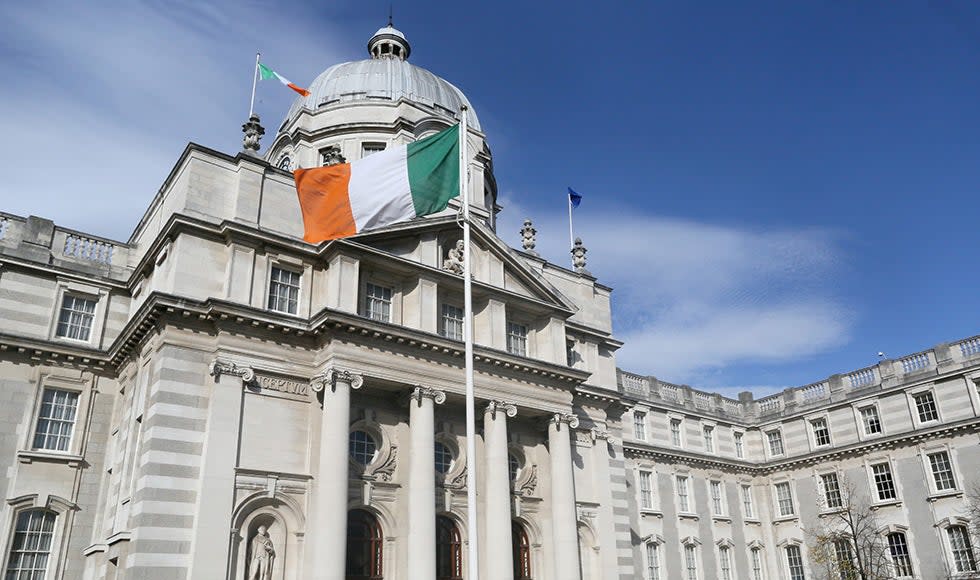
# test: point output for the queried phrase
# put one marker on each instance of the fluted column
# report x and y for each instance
(564, 518)
(499, 555)
(330, 517)
(422, 483)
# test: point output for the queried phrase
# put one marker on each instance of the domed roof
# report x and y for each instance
(385, 76)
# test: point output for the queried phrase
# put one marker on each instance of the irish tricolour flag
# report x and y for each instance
(267, 73)
(394, 185)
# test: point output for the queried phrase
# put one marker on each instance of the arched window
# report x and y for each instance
(364, 546)
(449, 550)
(522, 552)
(31, 546)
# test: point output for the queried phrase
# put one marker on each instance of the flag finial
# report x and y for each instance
(391, 21)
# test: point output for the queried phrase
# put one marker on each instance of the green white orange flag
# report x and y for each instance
(267, 73)
(397, 184)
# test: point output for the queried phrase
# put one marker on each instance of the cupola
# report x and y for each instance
(389, 42)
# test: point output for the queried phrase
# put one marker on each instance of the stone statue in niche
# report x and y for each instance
(454, 261)
(331, 156)
(263, 556)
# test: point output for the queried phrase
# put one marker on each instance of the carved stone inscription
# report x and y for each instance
(287, 386)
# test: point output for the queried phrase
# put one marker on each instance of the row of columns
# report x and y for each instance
(329, 552)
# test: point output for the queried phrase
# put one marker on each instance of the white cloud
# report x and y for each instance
(692, 298)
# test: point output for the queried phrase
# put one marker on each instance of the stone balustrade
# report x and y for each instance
(41, 240)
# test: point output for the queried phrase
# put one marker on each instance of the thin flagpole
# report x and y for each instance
(471, 519)
(255, 79)
(571, 235)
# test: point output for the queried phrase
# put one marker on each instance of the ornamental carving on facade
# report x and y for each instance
(386, 471)
(437, 396)
(253, 134)
(528, 237)
(510, 409)
(529, 484)
(220, 367)
(331, 156)
(333, 376)
(454, 261)
(578, 257)
(567, 418)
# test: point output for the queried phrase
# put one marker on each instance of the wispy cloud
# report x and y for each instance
(692, 298)
(108, 93)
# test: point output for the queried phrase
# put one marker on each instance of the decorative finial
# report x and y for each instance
(390, 20)
(528, 234)
(578, 257)
(253, 133)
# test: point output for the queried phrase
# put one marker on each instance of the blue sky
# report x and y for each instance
(776, 191)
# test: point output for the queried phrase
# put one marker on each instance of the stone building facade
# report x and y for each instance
(215, 398)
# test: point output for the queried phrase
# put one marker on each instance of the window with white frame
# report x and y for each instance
(709, 438)
(898, 548)
(784, 499)
(55, 420)
(646, 490)
(377, 302)
(653, 561)
(725, 562)
(775, 439)
(925, 406)
(640, 425)
(31, 544)
(821, 433)
(739, 445)
(942, 471)
(844, 557)
(675, 432)
(452, 322)
(964, 558)
(747, 504)
(832, 497)
(717, 498)
(517, 339)
(870, 420)
(794, 563)
(691, 561)
(371, 148)
(756, 557)
(76, 317)
(683, 500)
(284, 290)
(884, 482)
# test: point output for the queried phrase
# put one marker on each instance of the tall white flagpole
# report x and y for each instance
(571, 235)
(471, 480)
(255, 78)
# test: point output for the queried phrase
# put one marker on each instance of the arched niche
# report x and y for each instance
(284, 529)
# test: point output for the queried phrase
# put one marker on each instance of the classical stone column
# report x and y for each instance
(330, 517)
(422, 483)
(607, 525)
(563, 517)
(498, 552)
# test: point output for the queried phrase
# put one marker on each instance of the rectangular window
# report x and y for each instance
(640, 425)
(845, 560)
(925, 404)
(821, 434)
(646, 490)
(784, 497)
(284, 290)
(717, 502)
(675, 432)
(31, 545)
(775, 442)
(371, 149)
(452, 322)
(75, 319)
(747, 505)
(959, 542)
(56, 420)
(725, 555)
(870, 420)
(653, 562)
(831, 491)
(377, 305)
(884, 483)
(739, 446)
(899, 549)
(756, 564)
(709, 439)
(691, 561)
(516, 339)
(795, 561)
(942, 471)
(683, 502)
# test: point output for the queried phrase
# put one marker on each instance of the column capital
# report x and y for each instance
(510, 409)
(420, 392)
(220, 367)
(600, 433)
(334, 375)
(569, 419)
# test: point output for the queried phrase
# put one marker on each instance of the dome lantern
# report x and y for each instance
(389, 42)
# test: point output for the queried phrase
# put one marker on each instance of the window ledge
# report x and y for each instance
(651, 512)
(944, 494)
(786, 519)
(753, 521)
(830, 512)
(886, 503)
(721, 518)
(688, 516)
(50, 457)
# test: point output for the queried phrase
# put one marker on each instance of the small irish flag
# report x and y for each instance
(397, 184)
(268, 73)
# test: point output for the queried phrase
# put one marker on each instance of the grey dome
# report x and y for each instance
(383, 79)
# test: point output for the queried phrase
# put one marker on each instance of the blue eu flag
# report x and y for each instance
(574, 198)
